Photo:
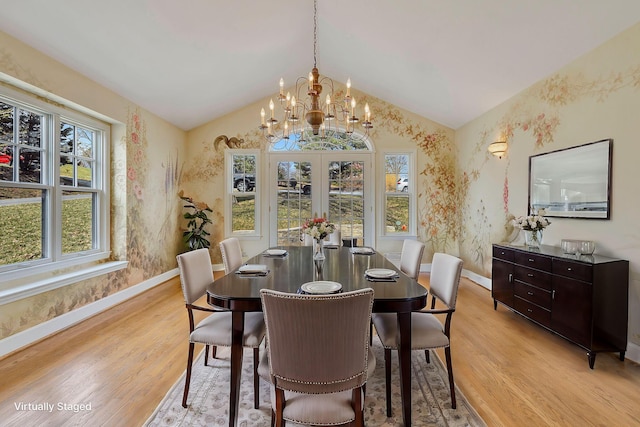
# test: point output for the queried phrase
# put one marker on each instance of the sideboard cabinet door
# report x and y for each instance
(571, 310)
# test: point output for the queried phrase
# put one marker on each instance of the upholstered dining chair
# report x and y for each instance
(410, 258)
(427, 330)
(335, 238)
(215, 330)
(231, 254)
(318, 356)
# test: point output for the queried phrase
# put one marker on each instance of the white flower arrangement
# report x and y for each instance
(535, 222)
(318, 228)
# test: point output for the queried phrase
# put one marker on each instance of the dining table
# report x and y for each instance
(288, 268)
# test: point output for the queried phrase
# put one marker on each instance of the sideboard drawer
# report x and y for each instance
(573, 270)
(533, 294)
(503, 253)
(539, 262)
(533, 311)
(533, 277)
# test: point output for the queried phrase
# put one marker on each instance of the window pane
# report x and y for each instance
(30, 161)
(397, 213)
(66, 138)
(85, 173)
(397, 171)
(243, 213)
(66, 170)
(84, 147)
(77, 147)
(244, 172)
(6, 122)
(77, 221)
(6, 162)
(21, 225)
(30, 129)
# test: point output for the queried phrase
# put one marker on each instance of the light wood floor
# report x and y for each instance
(124, 360)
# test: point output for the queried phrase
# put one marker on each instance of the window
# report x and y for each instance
(53, 189)
(399, 185)
(242, 184)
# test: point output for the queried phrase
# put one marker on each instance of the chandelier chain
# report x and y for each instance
(315, 33)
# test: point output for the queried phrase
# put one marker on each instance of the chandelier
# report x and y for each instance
(321, 117)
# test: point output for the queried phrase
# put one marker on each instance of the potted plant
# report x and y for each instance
(196, 237)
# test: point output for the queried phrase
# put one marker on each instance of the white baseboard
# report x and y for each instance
(485, 282)
(633, 352)
(29, 336)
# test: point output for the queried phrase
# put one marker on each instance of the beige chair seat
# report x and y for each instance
(214, 330)
(318, 409)
(426, 331)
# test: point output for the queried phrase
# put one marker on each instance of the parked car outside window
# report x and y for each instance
(402, 185)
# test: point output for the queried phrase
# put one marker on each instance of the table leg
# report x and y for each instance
(237, 333)
(404, 359)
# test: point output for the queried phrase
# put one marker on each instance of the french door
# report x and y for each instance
(334, 184)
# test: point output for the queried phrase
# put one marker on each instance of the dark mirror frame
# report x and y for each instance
(573, 182)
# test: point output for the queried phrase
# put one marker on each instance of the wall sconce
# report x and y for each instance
(498, 148)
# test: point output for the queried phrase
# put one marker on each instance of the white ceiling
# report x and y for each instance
(192, 61)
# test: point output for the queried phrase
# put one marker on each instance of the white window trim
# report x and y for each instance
(228, 200)
(58, 261)
(411, 233)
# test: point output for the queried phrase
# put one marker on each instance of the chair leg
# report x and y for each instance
(387, 375)
(206, 355)
(188, 377)
(356, 397)
(213, 351)
(256, 379)
(447, 352)
(427, 356)
(370, 334)
(279, 407)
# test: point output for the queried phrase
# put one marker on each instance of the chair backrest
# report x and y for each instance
(411, 257)
(445, 278)
(195, 273)
(318, 343)
(335, 238)
(307, 240)
(231, 254)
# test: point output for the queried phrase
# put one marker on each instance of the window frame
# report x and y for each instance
(410, 193)
(53, 257)
(230, 194)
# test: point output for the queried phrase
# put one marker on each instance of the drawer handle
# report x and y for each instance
(529, 310)
(532, 260)
(501, 253)
(529, 293)
(568, 268)
(529, 275)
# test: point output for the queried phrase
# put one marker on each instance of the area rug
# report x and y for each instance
(209, 396)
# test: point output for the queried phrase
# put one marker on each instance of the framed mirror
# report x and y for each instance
(573, 182)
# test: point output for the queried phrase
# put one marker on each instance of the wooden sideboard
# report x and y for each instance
(581, 298)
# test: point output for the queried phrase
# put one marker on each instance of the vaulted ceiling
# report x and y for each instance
(192, 61)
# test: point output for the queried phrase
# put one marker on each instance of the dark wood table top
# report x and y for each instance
(238, 293)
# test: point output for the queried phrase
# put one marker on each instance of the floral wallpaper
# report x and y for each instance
(148, 240)
(533, 119)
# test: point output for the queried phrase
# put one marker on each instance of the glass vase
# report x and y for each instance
(533, 238)
(318, 249)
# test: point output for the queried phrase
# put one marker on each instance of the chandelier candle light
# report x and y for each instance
(532, 226)
(318, 118)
